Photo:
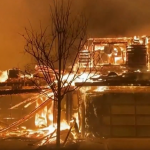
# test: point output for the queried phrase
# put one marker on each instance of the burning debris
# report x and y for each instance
(44, 134)
(44, 121)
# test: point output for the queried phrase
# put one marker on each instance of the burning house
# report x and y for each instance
(112, 103)
(116, 103)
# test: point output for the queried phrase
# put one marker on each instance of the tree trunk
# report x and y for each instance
(60, 50)
(58, 123)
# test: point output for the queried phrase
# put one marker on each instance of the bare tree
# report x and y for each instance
(56, 50)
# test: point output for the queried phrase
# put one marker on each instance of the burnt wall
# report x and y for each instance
(118, 114)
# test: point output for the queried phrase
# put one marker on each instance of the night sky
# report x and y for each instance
(107, 18)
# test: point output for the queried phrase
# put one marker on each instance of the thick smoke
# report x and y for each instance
(118, 17)
(15, 15)
(107, 18)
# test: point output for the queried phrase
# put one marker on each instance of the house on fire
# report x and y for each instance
(115, 103)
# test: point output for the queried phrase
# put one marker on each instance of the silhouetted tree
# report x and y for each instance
(56, 51)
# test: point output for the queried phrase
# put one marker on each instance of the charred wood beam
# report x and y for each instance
(115, 83)
(55, 112)
(16, 83)
(22, 91)
(110, 42)
(22, 83)
(83, 119)
(68, 107)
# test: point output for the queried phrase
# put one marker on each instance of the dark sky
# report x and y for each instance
(106, 18)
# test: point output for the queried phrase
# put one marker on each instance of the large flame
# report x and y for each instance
(44, 118)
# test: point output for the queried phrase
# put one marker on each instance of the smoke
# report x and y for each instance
(15, 15)
(107, 18)
(118, 17)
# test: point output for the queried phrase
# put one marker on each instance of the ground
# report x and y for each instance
(108, 144)
(19, 145)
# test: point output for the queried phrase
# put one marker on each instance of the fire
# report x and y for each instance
(99, 47)
(50, 117)
(101, 89)
(106, 54)
(50, 129)
(70, 78)
(41, 117)
(64, 125)
(75, 115)
(44, 118)
(3, 76)
(86, 77)
(137, 70)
